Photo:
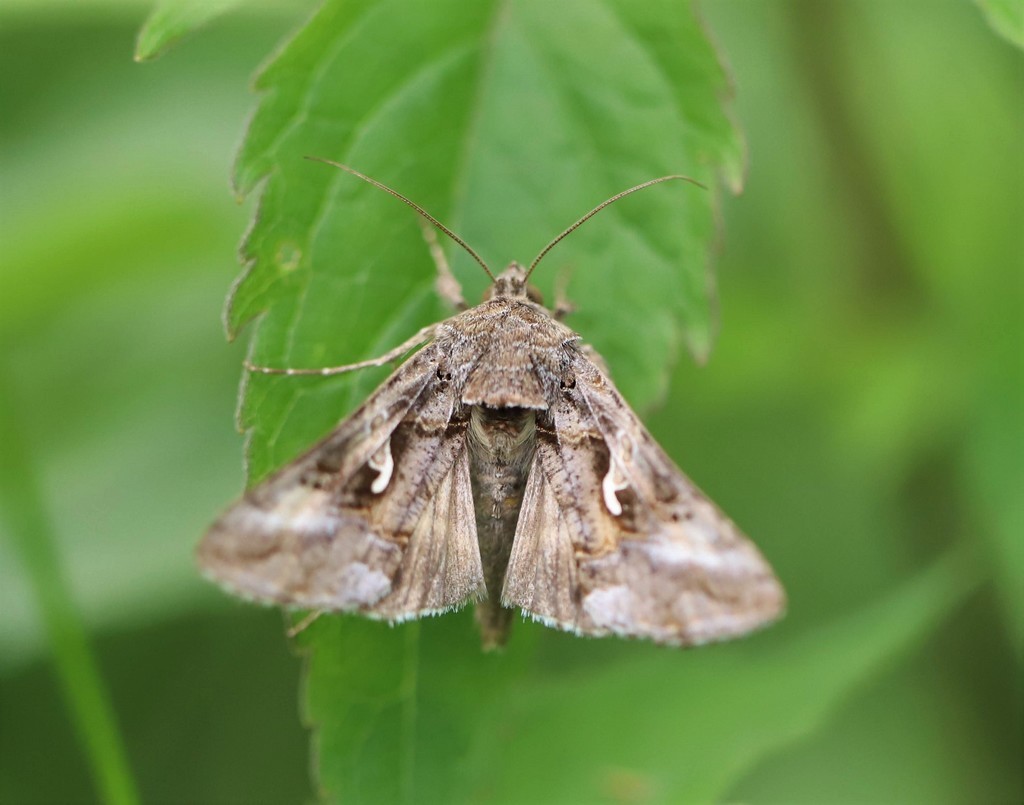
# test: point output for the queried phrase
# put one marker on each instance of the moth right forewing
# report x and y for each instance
(683, 572)
(648, 474)
(562, 521)
(653, 557)
(542, 577)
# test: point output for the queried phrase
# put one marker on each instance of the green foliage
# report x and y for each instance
(22, 511)
(505, 128)
(1006, 17)
(860, 416)
(417, 713)
(172, 20)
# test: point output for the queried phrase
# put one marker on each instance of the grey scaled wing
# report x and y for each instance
(376, 518)
(614, 539)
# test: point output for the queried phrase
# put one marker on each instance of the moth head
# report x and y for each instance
(512, 283)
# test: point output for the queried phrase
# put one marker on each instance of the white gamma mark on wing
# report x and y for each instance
(613, 482)
(383, 463)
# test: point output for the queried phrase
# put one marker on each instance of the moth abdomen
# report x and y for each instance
(502, 442)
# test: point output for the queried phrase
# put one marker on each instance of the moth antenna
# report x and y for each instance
(600, 207)
(412, 204)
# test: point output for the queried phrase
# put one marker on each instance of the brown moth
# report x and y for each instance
(499, 465)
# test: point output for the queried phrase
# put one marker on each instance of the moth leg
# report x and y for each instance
(392, 355)
(596, 358)
(563, 307)
(447, 286)
(300, 626)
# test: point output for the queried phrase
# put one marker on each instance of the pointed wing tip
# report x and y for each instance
(216, 558)
(618, 612)
(296, 559)
(765, 607)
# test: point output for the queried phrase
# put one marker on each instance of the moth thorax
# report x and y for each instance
(505, 434)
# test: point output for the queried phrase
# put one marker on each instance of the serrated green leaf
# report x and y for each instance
(507, 120)
(1006, 18)
(173, 20)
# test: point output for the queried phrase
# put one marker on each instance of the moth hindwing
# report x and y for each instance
(497, 465)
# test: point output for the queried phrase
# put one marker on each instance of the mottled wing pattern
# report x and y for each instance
(441, 567)
(376, 518)
(614, 539)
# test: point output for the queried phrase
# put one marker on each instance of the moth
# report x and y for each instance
(498, 464)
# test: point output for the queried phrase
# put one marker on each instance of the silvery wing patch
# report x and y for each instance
(497, 465)
(377, 518)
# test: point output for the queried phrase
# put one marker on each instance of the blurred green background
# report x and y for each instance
(860, 415)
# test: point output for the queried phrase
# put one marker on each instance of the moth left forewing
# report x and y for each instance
(353, 524)
(441, 567)
(654, 557)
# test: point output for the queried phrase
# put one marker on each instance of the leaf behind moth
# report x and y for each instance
(507, 120)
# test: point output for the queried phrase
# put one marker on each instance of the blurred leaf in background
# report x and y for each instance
(860, 415)
(119, 237)
(1006, 17)
(172, 20)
